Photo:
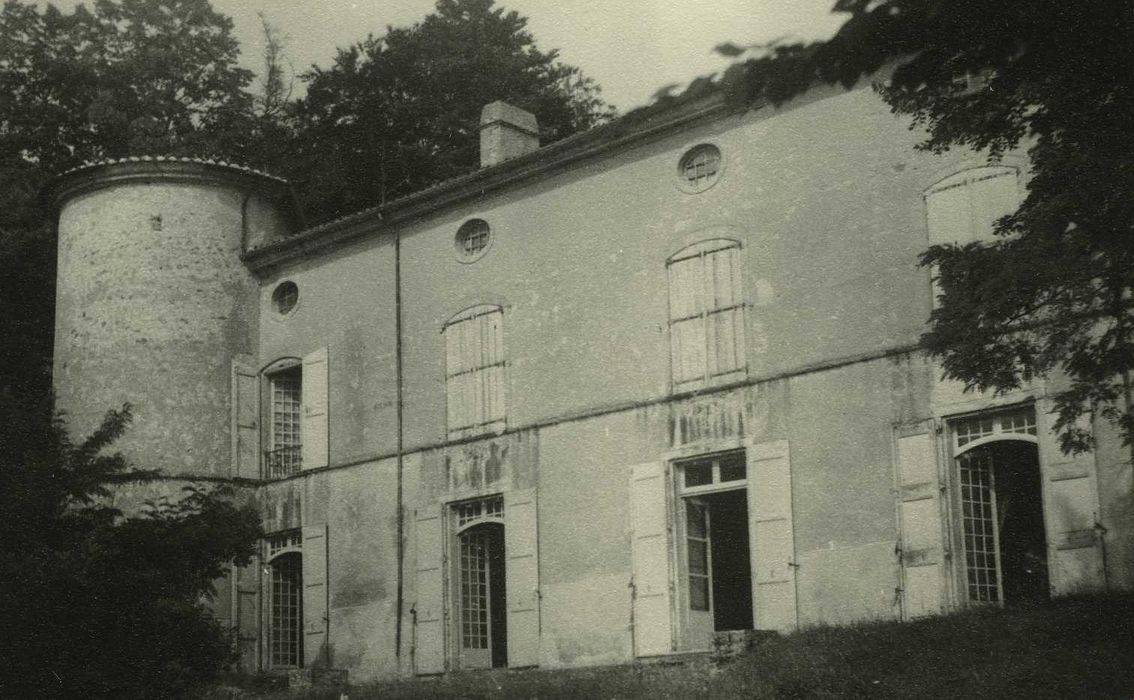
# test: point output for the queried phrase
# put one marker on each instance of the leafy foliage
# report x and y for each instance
(397, 113)
(98, 604)
(131, 77)
(1052, 294)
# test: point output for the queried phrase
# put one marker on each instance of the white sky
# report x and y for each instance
(630, 47)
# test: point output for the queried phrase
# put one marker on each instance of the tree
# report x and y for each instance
(98, 604)
(1053, 292)
(131, 77)
(398, 113)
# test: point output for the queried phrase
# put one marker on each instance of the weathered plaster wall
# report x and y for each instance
(346, 304)
(153, 302)
(831, 228)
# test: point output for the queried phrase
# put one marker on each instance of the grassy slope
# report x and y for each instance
(1080, 648)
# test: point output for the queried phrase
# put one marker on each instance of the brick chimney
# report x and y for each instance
(506, 132)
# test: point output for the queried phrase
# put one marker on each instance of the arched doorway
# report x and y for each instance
(481, 586)
(285, 639)
(1002, 520)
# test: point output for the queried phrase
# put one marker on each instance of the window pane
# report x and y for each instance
(732, 467)
(695, 521)
(698, 593)
(698, 474)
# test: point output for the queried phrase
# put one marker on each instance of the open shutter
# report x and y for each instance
(314, 427)
(245, 418)
(1070, 513)
(315, 617)
(921, 548)
(653, 622)
(521, 543)
(429, 655)
(247, 615)
(772, 535)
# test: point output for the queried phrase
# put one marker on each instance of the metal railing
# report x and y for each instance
(282, 461)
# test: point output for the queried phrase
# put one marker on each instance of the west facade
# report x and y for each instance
(596, 402)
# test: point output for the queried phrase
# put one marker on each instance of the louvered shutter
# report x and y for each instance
(521, 547)
(653, 621)
(248, 614)
(314, 428)
(492, 336)
(429, 655)
(772, 535)
(687, 326)
(316, 620)
(964, 208)
(921, 548)
(245, 418)
(725, 318)
(1070, 512)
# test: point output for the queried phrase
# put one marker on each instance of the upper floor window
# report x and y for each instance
(963, 208)
(706, 315)
(474, 371)
(472, 240)
(699, 168)
(284, 443)
(295, 398)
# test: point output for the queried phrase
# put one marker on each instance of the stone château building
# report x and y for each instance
(594, 402)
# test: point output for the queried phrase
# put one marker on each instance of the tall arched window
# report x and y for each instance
(474, 371)
(285, 629)
(964, 207)
(706, 314)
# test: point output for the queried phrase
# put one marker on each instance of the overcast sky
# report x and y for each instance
(630, 47)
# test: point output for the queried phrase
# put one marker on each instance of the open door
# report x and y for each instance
(1071, 507)
(921, 547)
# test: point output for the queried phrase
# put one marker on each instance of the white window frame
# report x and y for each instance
(475, 372)
(291, 461)
(696, 355)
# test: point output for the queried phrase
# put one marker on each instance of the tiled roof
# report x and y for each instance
(173, 159)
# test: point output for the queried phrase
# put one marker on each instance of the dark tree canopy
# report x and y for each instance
(397, 113)
(1053, 293)
(130, 77)
(98, 604)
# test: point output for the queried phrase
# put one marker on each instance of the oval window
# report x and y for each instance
(285, 297)
(472, 240)
(699, 168)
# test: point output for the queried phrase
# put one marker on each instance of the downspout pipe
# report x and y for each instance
(400, 442)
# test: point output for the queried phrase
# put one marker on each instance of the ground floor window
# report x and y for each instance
(285, 568)
(1001, 507)
(481, 584)
(716, 553)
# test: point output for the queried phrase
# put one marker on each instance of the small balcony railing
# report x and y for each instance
(282, 461)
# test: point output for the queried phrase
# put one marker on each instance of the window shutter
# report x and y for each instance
(248, 614)
(314, 426)
(653, 622)
(493, 338)
(245, 418)
(687, 289)
(316, 620)
(429, 656)
(921, 548)
(963, 208)
(1070, 512)
(521, 546)
(772, 536)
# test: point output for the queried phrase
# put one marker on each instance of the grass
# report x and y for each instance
(1074, 648)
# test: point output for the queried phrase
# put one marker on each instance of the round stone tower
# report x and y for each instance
(153, 301)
